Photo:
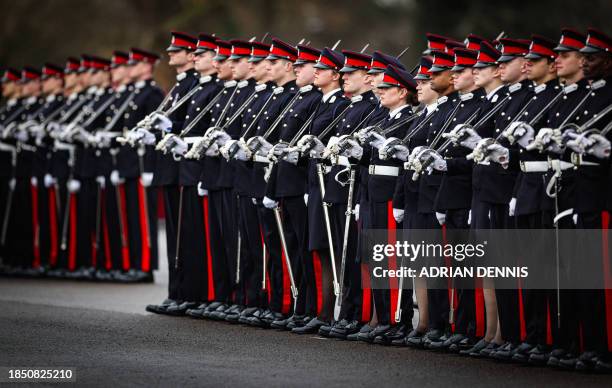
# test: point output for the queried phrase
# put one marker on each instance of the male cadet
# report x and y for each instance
(331, 105)
(592, 202)
(219, 287)
(46, 251)
(398, 94)
(569, 70)
(10, 95)
(180, 54)
(137, 166)
(427, 217)
(380, 61)
(279, 65)
(251, 270)
(454, 199)
(287, 183)
(21, 241)
(86, 166)
(117, 228)
(529, 190)
(191, 240)
(62, 164)
(227, 128)
(362, 112)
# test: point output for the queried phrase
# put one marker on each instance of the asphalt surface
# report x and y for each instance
(103, 331)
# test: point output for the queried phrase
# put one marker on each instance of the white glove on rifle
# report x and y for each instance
(441, 217)
(270, 203)
(202, 191)
(49, 180)
(101, 181)
(73, 186)
(146, 178)
(116, 179)
(180, 146)
(398, 214)
(512, 207)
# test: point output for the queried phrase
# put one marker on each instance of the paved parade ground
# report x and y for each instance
(103, 331)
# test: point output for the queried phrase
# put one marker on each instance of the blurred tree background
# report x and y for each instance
(35, 31)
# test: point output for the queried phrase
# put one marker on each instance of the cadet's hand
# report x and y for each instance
(270, 203)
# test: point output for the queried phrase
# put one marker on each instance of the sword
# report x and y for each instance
(238, 259)
(263, 280)
(122, 226)
(347, 222)
(178, 229)
(281, 232)
(9, 199)
(330, 239)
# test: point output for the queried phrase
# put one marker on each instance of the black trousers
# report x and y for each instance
(171, 204)
(385, 300)
(437, 297)
(192, 261)
(19, 244)
(142, 235)
(279, 290)
(252, 256)
(220, 270)
(295, 216)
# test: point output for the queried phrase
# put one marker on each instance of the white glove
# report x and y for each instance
(270, 203)
(438, 164)
(600, 146)
(498, 154)
(220, 137)
(180, 147)
(311, 145)
(398, 214)
(146, 178)
(470, 137)
(101, 181)
(277, 151)
(162, 123)
(376, 139)
(116, 179)
(49, 180)
(243, 152)
(356, 212)
(575, 219)
(202, 192)
(21, 136)
(520, 132)
(512, 207)
(470, 217)
(441, 218)
(34, 181)
(213, 150)
(306, 199)
(352, 148)
(226, 148)
(73, 186)
(262, 145)
(146, 137)
(254, 200)
(548, 139)
(292, 156)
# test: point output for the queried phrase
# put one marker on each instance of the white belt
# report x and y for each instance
(191, 139)
(383, 170)
(340, 161)
(260, 159)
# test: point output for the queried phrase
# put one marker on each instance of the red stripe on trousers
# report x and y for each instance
(35, 227)
(523, 325)
(366, 306)
(53, 227)
(108, 262)
(605, 225)
(391, 239)
(549, 338)
(125, 250)
(209, 264)
(480, 312)
(318, 273)
(73, 232)
(286, 285)
(144, 229)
